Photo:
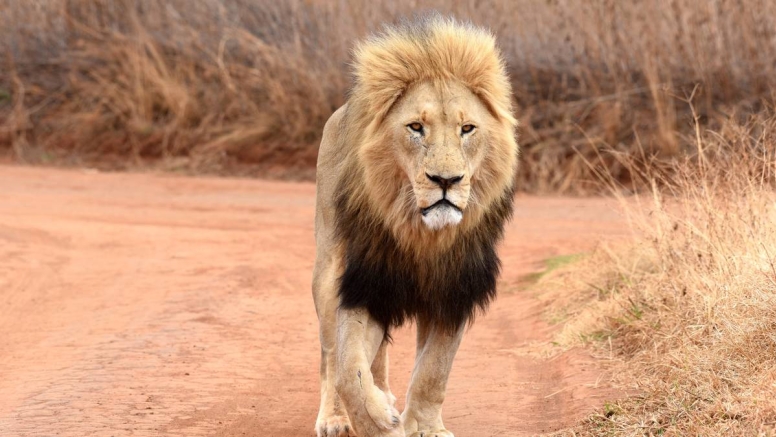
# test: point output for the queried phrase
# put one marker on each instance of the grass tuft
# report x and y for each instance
(551, 264)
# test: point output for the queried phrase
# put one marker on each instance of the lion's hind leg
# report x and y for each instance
(332, 418)
(380, 371)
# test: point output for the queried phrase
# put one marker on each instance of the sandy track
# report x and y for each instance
(150, 305)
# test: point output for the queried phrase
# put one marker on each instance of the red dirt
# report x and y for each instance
(137, 304)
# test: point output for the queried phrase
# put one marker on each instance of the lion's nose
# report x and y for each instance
(443, 182)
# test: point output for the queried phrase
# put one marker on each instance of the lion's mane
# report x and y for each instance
(393, 266)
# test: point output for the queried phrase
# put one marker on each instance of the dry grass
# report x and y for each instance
(212, 83)
(687, 311)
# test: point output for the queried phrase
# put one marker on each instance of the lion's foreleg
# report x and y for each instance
(358, 341)
(436, 351)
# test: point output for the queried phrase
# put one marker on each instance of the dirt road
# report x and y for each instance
(149, 305)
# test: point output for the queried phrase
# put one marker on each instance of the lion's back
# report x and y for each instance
(331, 162)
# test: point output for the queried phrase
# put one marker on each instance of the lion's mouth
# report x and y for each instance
(440, 203)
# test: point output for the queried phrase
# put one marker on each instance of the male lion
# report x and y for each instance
(415, 182)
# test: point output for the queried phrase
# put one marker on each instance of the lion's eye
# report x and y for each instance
(467, 128)
(416, 127)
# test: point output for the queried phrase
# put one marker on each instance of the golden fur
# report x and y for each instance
(377, 262)
(438, 51)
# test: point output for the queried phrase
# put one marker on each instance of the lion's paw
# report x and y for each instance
(334, 426)
(379, 407)
(437, 433)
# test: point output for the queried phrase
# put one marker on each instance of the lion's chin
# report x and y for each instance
(442, 215)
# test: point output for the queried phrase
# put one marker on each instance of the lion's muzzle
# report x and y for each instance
(442, 213)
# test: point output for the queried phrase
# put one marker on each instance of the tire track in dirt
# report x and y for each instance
(135, 304)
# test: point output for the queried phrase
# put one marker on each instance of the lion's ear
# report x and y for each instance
(384, 68)
(470, 55)
(501, 109)
(382, 108)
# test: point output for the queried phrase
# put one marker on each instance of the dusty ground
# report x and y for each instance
(150, 305)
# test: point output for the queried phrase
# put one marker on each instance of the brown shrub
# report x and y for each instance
(687, 310)
(215, 82)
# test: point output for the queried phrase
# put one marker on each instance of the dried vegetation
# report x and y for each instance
(246, 85)
(686, 312)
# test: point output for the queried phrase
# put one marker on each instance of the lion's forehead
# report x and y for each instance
(448, 102)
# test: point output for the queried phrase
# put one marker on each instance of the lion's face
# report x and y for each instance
(439, 135)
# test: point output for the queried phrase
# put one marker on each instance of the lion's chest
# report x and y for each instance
(393, 286)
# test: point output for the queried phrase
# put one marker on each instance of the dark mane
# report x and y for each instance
(384, 270)
(393, 285)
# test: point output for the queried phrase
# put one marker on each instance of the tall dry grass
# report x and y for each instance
(212, 83)
(687, 311)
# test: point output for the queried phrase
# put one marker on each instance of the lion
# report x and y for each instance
(415, 181)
